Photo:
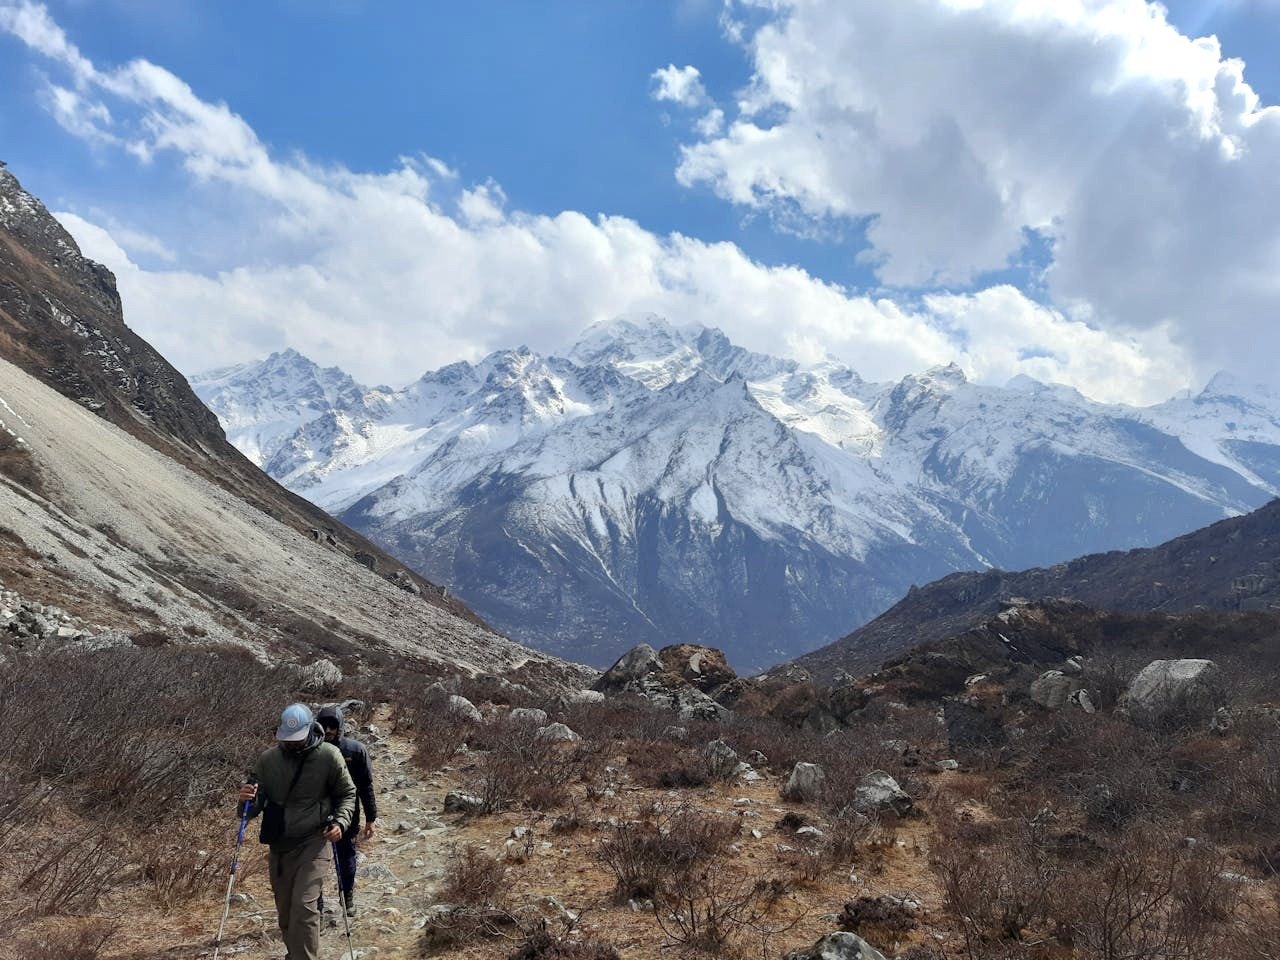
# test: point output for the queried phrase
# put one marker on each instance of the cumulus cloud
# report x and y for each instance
(680, 85)
(391, 273)
(954, 127)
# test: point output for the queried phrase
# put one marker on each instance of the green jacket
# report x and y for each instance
(324, 788)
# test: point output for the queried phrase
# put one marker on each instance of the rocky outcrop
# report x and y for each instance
(838, 946)
(1175, 691)
(805, 783)
(704, 668)
(880, 793)
(1053, 689)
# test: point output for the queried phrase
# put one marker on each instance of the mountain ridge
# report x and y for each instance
(834, 489)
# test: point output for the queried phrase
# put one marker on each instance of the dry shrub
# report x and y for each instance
(58, 877)
(178, 870)
(997, 893)
(645, 852)
(472, 878)
(883, 917)
(541, 944)
(1150, 896)
(86, 941)
(851, 835)
(420, 711)
(522, 768)
(139, 736)
(660, 765)
(723, 912)
(805, 860)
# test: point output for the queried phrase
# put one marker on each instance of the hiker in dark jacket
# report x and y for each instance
(307, 800)
(361, 770)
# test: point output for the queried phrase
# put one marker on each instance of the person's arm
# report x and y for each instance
(364, 784)
(342, 790)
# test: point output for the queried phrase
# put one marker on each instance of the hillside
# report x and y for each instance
(1231, 565)
(124, 505)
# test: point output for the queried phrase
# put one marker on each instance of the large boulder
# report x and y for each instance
(701, 667)
(838, 946)
(557, 733)
(805, 783)
(879, 793)
(323, 676)
(464, 709)
(632, 667)
(1053, 689)
(530, 715)
(1175, 691)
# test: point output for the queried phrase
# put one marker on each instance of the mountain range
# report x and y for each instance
(658, 483)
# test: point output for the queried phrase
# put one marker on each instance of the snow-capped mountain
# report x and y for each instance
(660, 483)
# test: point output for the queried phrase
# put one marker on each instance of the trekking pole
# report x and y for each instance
(231, 878)
(342, 900)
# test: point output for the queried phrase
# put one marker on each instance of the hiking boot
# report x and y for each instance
(349, 897)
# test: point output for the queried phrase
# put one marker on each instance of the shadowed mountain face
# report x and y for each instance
(660, 484)
(122, 501)
(1233, 565)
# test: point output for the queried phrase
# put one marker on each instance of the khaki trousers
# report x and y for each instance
(296, 879)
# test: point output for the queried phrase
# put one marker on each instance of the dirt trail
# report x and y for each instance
(398, 875)
(401, 870)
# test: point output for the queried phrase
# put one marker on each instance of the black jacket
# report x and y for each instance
(361, 770)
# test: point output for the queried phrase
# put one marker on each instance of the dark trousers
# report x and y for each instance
(347, 862)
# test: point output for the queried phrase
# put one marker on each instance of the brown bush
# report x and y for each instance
(659, 765)
(522, 768)
(719, 911)
(84, 942)
(1150, 896)
(645, 852)
(541, 944)
(884, 916)
(139, 735)
(177, 870)
(472, 878)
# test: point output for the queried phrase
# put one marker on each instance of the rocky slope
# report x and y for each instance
(661, 484)
(1232, 565)
(121, 499)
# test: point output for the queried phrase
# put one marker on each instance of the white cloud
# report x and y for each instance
(389, 274)
(680, 85)
(955, 125)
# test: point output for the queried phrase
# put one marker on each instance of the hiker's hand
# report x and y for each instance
(333, 833)
(248, 792)
(370, 829)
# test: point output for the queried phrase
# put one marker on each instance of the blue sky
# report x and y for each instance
(554, 104)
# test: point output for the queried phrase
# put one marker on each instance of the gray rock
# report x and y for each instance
(1082, 700)
(464, 708)
(531, 715)
(456, 801)
(676, 733)
(947, 765)
(323, 676)
(879, 793)
(631, 667)
(1185, 690)
(838, 946)
(1053, 688)
(805, 783)
(757, 759)
(722, 759)
(557, 733)
(586, 696)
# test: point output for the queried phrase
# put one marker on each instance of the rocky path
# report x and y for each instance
(398, 875)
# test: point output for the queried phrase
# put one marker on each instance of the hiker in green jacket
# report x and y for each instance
(307, 800)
